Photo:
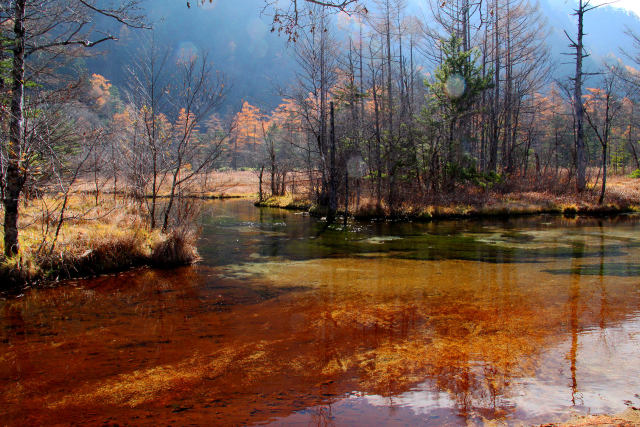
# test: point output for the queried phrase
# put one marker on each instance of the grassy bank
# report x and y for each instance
(623, 196)
(287, 201)
(109, 237)
(104, 231)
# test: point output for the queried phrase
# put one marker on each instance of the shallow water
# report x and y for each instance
(288, 321)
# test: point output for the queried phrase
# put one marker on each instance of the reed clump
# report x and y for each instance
(176, 248)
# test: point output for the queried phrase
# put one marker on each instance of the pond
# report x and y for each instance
(287, 321)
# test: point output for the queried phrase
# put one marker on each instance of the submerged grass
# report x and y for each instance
(628, 418)
(94, 239)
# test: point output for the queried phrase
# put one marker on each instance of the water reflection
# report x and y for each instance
(288, 321)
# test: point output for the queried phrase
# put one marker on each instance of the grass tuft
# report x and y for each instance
(176, 248)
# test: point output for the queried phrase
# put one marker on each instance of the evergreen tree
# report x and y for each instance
(458, 82)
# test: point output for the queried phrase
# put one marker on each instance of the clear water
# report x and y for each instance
(289, 322)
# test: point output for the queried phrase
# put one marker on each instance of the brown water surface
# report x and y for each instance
(288, 321)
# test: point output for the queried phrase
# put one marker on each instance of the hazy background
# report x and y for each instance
(257, 62)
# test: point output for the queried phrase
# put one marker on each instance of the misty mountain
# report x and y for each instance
(605, 37)
(256, 61)
(237, 40)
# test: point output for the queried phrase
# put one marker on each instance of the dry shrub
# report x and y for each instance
(177, 248)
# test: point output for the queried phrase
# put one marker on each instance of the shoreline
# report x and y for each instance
(439, 212)
(213, 196)
(627, 418)
(115, 248)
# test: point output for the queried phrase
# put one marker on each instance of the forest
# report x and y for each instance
(386, 113)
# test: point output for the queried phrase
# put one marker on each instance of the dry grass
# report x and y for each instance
(234, 183)
(111, 236)
(177, 249)
(288, 201)
(518, 198)
(213, 185)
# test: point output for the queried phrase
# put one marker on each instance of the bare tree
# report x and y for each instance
(578, 80)
(53, 29)
(316, 54)
(149, 86)
(601, 110)
(199, 90)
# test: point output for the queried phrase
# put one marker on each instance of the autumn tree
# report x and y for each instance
(247, 132)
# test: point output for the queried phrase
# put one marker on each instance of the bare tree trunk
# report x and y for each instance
(581, 159)
(361, 83)
(391, 151)
(272, 160)
(114, 165)
(14, 178)
(483, 127)
(167, 212)
(260, 196)
(323, 115)
(283, 184)
(96, 180)
(604, 173)
(630, 140)
(389, 85)
(508, 91)
(333, 200)
(377, 150)
(154, 189)
(493, 146)
(346, 195)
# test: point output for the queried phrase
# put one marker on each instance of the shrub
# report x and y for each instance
(178, 248)
(635, 174)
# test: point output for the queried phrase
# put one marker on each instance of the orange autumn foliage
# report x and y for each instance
(100, 87)
(248, 124)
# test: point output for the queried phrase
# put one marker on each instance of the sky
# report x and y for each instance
(630, 5)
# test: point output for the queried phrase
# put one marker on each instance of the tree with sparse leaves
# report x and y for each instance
(38, 34)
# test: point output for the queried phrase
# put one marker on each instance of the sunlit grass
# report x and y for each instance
(622, 195)
(288, 201)
(94, 238)
(210, 185)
